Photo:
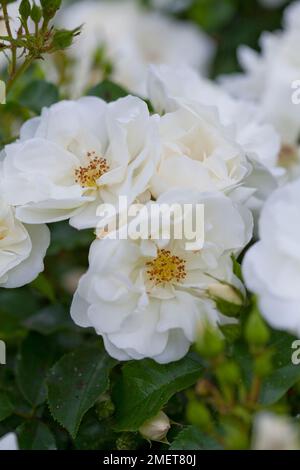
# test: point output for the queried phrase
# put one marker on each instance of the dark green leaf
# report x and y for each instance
(49, 320)
(191, 438)
(65, 237)
(108, 91)
(145, 387)
(95, 435)
(44, 286)
(38, 94)
(15, 306)
(75, 383)
(36, 356)
(278, 383)
(6, 407)
(285, 375)
(34, 435)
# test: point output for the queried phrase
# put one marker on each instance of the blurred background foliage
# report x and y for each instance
(230, 22)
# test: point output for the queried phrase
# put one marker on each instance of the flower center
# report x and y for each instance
(288, 156)
(3, 231)
(88, 175)
(166, 268)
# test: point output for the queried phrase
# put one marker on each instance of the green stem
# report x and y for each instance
(9, 32)
(19, 72)
(255, 390)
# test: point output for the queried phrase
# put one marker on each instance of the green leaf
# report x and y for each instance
(237, 268)
(228, 309)
(37, 354)
(66, 238)
(95, 435)
(38, 94)
(285, 375)
(232, 332)
(35, 435)
(44, 287)
(49, 320)
(75, 383)
(15, 306)
(6, 407)
(108, 91)
(278, 383)
(191, 438)
(212, 14)
(145, 387)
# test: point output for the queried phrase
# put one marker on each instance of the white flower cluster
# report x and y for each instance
(151, 297)
(130, 38)
(147, 298)
(272, 267)
(268, 81)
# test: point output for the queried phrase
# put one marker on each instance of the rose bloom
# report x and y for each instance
(274, 432)
(170, 88)
(272, 266)
(78, 154)
(130, 38)
(292, 16)
(199, 146)
(22, 249)
(198, 153)
(150, 297)
(9, 442)
(267, 79)
(237, 152)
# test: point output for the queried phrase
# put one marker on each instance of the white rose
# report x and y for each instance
(272, 266)
(273, 432)
(78, 155)
(198, 152)
(268, 80)
(22, 249)
(171, 87)
(292, 16)
(149, 298)
(9, 442)
(131, 39)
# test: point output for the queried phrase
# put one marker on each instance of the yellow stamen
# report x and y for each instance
(166, 268)
(288, 156)
(88, 175)
(3, 231)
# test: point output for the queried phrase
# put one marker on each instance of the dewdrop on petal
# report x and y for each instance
(157, 428)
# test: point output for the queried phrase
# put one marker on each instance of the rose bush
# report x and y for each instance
(114, 334)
